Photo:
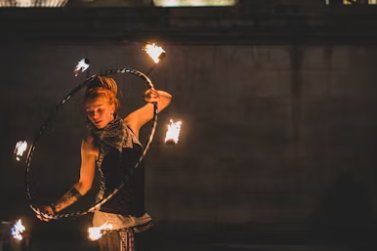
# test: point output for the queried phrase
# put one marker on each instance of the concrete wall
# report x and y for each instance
(275, 139)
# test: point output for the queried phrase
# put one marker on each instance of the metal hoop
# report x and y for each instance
(53, 116)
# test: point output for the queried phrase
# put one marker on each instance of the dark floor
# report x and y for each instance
(47, 245)
(63, 242)
(71, 234)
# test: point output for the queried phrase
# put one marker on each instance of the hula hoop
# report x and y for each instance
(53, 116)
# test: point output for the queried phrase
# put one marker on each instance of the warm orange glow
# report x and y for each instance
(174, 129)
(95, 233)
(154, 52)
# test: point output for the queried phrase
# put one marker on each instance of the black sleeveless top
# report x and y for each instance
(129, 200)
(120, 150)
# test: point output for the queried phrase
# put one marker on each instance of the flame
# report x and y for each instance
(17, 229)
(174, 129)
(95, 233)
(20, 148)
(81, 66)
(154, 52)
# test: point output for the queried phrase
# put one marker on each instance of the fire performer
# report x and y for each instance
(113, 146)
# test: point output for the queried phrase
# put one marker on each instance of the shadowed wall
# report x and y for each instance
(275, 139)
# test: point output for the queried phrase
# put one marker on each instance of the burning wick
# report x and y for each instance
(17, 229)
(174, 129)
(95, 233)
(81, 66)
(20, 148)
(155, 52)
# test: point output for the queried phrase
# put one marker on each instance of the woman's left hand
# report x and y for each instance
(151, 95)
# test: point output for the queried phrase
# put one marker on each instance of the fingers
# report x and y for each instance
(46, 211)
(154, 91)
(151, 93)
(151, 96)
(154, 94)
(42, 218)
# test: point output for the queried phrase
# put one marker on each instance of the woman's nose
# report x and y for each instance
(95, 115)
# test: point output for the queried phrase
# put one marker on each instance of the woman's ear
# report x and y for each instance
(88, 122)
(112, 108)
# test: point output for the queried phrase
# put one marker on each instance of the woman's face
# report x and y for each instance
(99, 111)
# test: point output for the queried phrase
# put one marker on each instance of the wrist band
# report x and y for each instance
(53, 207)
(76, 193)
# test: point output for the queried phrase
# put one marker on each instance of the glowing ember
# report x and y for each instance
(81, 66)
(174, 129)
(17, 229)
(155, 52)
(95, 233)
(20, 148)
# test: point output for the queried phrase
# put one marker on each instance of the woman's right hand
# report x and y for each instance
(46, 210)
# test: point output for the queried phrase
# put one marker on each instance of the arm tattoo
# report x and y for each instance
(68, 199)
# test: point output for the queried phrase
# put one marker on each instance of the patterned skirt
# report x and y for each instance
(127, 239)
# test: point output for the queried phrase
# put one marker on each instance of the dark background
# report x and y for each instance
(277, 99)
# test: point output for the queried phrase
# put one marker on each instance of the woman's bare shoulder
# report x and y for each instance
(88, 145)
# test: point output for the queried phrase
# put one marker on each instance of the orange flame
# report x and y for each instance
(17, 230)
(174, 129)
(154, 52)
(20, 148)
(81, 66)
(95, 233)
